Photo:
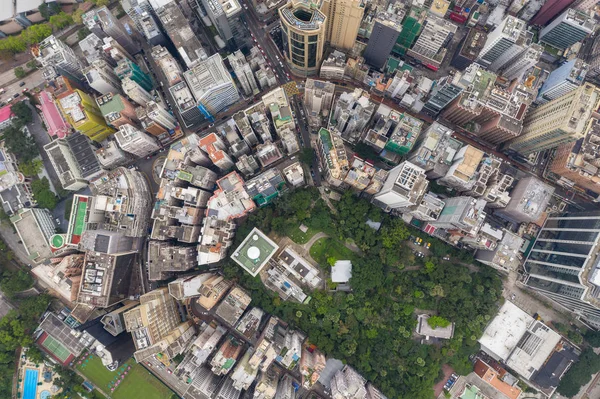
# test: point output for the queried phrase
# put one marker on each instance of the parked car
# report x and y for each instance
(21, 84)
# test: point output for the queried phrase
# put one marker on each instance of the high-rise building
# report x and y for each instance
(117, 110)
(549, 10)
(224, 15)
(462, 173)
(181, 34)
(405, 186)
(216, 149)
(168, 65)
(111, 156)
(160, 115)
(441, 96)
(243, 72)
(562, 80)
(135, 141)
(385, 32)
(577, 163)
(433, 42)
(318, 97)
(52, 52)
(343, 20)
(66, 166)
(333, 156)
(186, 104)
(136, 92)
(347, 384)
(570, 27)
(304, 34)
(411, 26)
(35, 228)
(352, 113)
(212, 86)
(508, 40)
(84, 115)
(559, 121)
(103, 23)
(516, 67)
(100, 77)
(562, 263)
(128, 69)
(585, 5)
(464, 214)
(285, 389)
(528, 201)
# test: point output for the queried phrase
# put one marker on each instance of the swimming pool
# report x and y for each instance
(30, 385)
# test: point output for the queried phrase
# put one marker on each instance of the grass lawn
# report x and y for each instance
(298, 236)
(138, 382)
(325, 247)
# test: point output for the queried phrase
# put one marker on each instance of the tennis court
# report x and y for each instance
(56, 348)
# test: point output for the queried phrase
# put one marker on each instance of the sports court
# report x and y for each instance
(56, 348)
(78, 219)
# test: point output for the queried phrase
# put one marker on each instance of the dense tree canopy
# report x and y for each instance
(43, 195)
(372, 327)
(13, 282)
(580, 373)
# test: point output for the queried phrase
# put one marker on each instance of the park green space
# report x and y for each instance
(138, 383)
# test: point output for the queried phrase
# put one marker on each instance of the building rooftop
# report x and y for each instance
(230, 200)
(495, 379)
(254, 252)
(66, 338)
(34, 232)
(56, 124)
(341, 271)
(425, 329)
(183, 96)
(233, 306)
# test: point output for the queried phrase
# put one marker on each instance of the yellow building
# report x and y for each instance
(84, 115)
(343, 20)
(303, 28)
(559, 121)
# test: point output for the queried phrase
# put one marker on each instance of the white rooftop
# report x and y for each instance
(504, 332)
(341, 271)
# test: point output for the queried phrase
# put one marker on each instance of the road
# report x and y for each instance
(31, 81)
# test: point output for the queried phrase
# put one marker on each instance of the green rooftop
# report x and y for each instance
(109, 106)
(57, 240)
(254, 252)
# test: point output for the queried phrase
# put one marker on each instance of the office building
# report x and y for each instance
(181, 34)
(303, 30)
(516, 67)
(347, 384)
(101, 78)
(576, 164)
(136, 92)
(565, 272)
(35, 227)
(212, 86)
(52, 52)
(74, 168)
(136, 142)
(224, 15)
(434, 150)
(141, 13)
(464, 214)
(160, 115)
(505, 42)
(243, 73)
(563, 80)
(405, 186)
(569, 28)
(128, 69)
(228, 391)
(429, 209)
(410, 28)
(186, 104)
(506, 256)
(102, 23)
(469, 49)
(444, 92)
(528, 202)
(167, 64)
(117, 110)
(548, 10)
(318, 98)
(385, 33)
(559, 121)
(433, 42)
(343, 21)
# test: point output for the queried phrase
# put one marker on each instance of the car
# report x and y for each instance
(16, 95)
(446, 258)
(21, 84)
(149, 364)
(428, 245)
(320, 170)
(245, 7)
(57, 221)
(211, 125)
(512, 297)
(25, 90)
(9, 100)
(169, 371)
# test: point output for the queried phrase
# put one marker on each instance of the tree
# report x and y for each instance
(32, 64)
(83, 33)
(23, 147)
(13, 45)
(49, 9)
(61, 20)
(437, 321)
(579, 374)
(13, 282)
(593, 338)
(36, 33)
(43, 195)
(307, 156)
(31, 168)
(19, 72)
(35, 355)
(22, 112)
